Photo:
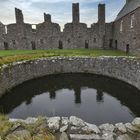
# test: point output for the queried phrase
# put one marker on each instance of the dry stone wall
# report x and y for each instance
(123, 68)
(72, 128)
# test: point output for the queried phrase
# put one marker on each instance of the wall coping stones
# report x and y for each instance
(54, 58)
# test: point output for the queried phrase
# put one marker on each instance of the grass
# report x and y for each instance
(37, 131)
(10, 56)
(5, 125)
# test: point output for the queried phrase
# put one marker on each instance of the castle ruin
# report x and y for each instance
(122, 34)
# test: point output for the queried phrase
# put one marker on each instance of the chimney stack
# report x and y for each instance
(47, 18)
(19, 16)
(75, 12)
(101, 19)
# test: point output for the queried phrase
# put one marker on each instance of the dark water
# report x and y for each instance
(96, 99)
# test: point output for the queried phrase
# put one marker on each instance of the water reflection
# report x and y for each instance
(96, 99)
(99, 96)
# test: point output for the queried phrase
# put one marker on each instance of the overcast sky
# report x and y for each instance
(59, 9)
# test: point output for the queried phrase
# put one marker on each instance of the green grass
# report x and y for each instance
(35, 130)
(65, 52)
(5, 125)
(10, 56)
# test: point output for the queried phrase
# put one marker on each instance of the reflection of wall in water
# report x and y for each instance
(100, 96)
(30, 89)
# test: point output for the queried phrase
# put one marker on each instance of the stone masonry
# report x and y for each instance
(122, 68)
(72, 128)
(122, 34)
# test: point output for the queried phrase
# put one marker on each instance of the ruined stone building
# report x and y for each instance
(123, 33)
(126, 27)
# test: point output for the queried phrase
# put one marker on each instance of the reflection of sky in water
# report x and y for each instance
(95, 105)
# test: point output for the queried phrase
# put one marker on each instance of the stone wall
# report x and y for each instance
(128, 36)
(2, 32)
(75, 35)
(126, 69)
(122, 68)
(48, 35)
(108, 43)
(94, 36)
(19, 36)
(101, 25)
(72, 128)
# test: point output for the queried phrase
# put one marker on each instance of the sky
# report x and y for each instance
(61, 10)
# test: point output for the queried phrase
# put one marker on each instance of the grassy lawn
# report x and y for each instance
(10, 56)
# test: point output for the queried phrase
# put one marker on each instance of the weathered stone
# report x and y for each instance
(85, 130)
(64, 128)
(15, 126)
(121, 127)
(54, 123)
(64, 124)
(136, 122)
(131, 128)
(30, 120)
(64, 136)
(93, 128)
(42, 128)
(49, 35)
(43, 137)
(124, 137)
(101, 65)
(108, 136)
(76, 121)
(23, 134)
(16, 120)
(76, 130)
(107, 127)
(84, 137)
(64, 121)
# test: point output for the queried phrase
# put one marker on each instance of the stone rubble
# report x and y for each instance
(121, 127)
(72, 128)
(54, 123)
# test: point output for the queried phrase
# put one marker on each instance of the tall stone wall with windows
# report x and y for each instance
(19, 35)
(122, 34)
(128, 35)
(108, 43)
(75, 35)
(93, 35)
(47, 34)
